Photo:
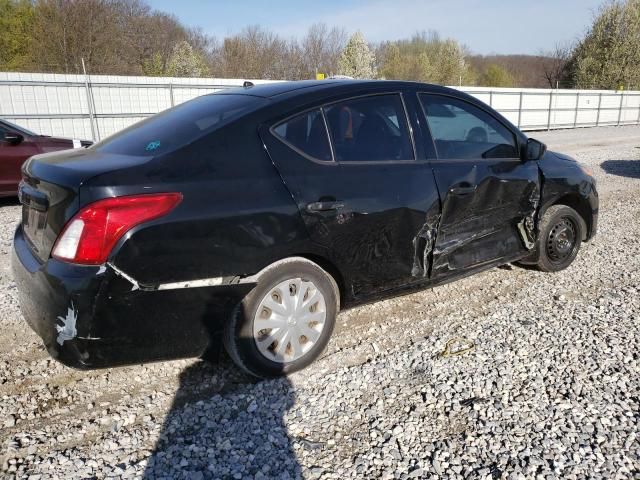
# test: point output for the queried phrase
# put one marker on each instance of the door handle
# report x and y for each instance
(324, 206)
(466, 190)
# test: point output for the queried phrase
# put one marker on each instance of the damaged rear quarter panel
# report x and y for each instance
(236, 216)
(90, 317)
(134, 325)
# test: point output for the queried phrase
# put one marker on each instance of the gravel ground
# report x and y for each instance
(549, 389)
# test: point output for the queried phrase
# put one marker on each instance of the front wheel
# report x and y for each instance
(284, 323)
(561, 232)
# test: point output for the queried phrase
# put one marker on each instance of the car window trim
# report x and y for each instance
(333, 161)
(330, 140)
(406, 118)
(433, 140)
(418, 133)
(296, 149)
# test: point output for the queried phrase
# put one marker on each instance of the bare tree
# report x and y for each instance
(321, 48)
(256, 52)
(113, 37)
(555, 63)
(65, 31)
(128, 37)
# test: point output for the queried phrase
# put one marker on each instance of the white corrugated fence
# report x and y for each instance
(93, 107)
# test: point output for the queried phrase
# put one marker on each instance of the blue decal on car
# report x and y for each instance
(152, 146)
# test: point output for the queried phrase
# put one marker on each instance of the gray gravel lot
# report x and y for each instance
(550, 389)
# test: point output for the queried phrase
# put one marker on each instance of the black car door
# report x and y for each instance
(489, 195)
(350, 166)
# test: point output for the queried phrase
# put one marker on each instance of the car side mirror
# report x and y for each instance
(13, 138)
(535, 149)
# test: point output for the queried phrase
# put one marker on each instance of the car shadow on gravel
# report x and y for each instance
(622, 168)
(9, 202)
(225, 424)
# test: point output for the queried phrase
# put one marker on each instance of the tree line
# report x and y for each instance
(128, 37)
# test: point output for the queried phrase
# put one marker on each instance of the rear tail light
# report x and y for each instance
(91, 234)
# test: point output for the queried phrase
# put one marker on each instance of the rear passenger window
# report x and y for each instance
(463, 131)
(307, 134)
(369, 129)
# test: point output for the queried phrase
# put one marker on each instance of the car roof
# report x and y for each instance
(302, 93)
(281, 90)
(270, 90)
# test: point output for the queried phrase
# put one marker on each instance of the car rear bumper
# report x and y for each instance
(90, 317)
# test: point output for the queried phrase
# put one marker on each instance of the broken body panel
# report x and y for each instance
(169, 284)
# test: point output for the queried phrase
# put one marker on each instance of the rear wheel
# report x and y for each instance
(284, 323)
(561, 233)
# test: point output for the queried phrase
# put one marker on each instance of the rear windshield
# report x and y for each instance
(179, 126)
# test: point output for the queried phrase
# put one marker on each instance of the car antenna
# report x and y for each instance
(247, 84)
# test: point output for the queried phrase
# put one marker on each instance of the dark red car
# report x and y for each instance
(17, 144)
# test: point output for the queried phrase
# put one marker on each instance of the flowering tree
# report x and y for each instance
(357, 60)
(185, 61)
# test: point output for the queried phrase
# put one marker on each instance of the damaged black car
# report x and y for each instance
(252, 216)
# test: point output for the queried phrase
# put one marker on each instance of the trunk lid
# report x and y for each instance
(50, 191)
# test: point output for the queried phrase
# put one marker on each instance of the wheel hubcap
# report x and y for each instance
(289, 320)
(562, 240)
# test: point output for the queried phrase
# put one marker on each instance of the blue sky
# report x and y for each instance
(486, 26)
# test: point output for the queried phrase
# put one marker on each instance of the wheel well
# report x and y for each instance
(331, 269)
(581, 206)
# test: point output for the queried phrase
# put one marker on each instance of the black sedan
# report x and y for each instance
(254, 215)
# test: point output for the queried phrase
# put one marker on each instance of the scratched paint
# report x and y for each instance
(67, 331)
(423, 245)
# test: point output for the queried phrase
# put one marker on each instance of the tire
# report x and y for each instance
(561, 232)
(293, 334)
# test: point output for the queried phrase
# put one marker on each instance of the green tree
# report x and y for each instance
(425, 58)
(609, 55)
(357, 60)
(154, 66)
(496, 76)
(16, 23)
